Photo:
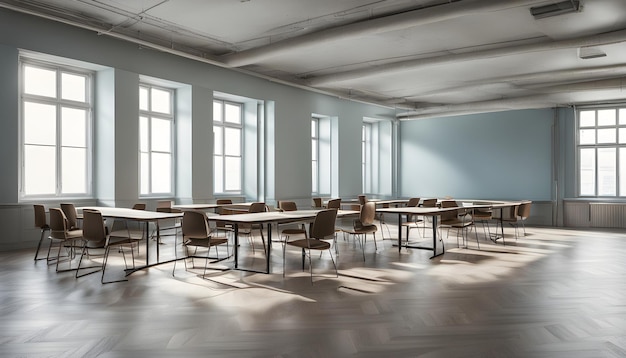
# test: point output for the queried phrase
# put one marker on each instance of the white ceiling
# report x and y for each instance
(424, 57)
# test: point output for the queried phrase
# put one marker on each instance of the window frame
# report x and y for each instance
(150, 114)
(315, 156)
(367, 163)
(59, 103)
(223, 124)
(619, 146)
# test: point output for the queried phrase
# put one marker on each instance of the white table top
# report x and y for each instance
(131, 214)
(275, 216)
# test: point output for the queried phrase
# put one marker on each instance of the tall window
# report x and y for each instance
(602, 152)
(156, 123)
(315, 155)
(227, 158)
(366, 157)
(56, 110)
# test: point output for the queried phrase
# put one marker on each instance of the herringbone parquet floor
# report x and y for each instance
(554, 293)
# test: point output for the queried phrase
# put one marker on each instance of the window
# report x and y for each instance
(366, 157)
(55, 127)
(315, 155)
(602, 152)
(156, 127)
(227, 151)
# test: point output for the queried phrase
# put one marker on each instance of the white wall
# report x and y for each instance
(286, 171)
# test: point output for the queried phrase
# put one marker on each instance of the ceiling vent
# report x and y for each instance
(560, 8)
(586, 53)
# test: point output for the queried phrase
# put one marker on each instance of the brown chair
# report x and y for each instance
(412, 221)
(221, 226)
(523, 213)
(362, 199)
(165, 206)
(246, 229)
(72, 217)
(42, 223)
(322, 229)
(62, 236)
(317, 203)
(96, 237)
(139, 206)
(334, 204)
(456, 219)
(518, 213)
(428, 203)
(364, 225)
(483, 216)
(291, 231)
(196, 233)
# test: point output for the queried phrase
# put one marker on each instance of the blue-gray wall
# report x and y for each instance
(503, 155)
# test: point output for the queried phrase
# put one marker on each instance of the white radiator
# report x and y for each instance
(608, 215)
(590, 214)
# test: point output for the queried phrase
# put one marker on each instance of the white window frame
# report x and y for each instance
(315, 155)
(225, 125)
(367, 158)
(150, 114)
(59, 103)
(588, 132)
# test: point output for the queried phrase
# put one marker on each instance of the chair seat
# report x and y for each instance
(310, 243)
(293, 231)
(68, 235)
(367, 229)
(482, 215)
(205, 242)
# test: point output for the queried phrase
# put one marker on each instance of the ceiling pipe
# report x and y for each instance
(394, 67)
(388, 23)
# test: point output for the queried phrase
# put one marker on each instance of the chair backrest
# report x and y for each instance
(324, 224)
(220, 210)
(429, 203)
(195, 225)
(58, 223)
(334, 204)
(362, 199)
(70, 215)
(257, 208)
(368, 213)
(413, 202)
(513, 212)
(93, 228)
(449, 214)
(40, 217)
(288, 206)
(139, 206)
(524, 210)
(317, 202)
(164, 206)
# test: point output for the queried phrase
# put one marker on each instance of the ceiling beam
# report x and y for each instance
(388, 23)
(400, 66)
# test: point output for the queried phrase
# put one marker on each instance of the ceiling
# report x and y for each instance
(424, 57)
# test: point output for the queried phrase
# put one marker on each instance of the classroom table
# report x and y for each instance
(143, 216)
(434, 212)
(269, 218)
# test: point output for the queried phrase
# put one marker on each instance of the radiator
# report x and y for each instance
(608, 215)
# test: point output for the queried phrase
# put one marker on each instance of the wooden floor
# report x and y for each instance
(554, 293)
